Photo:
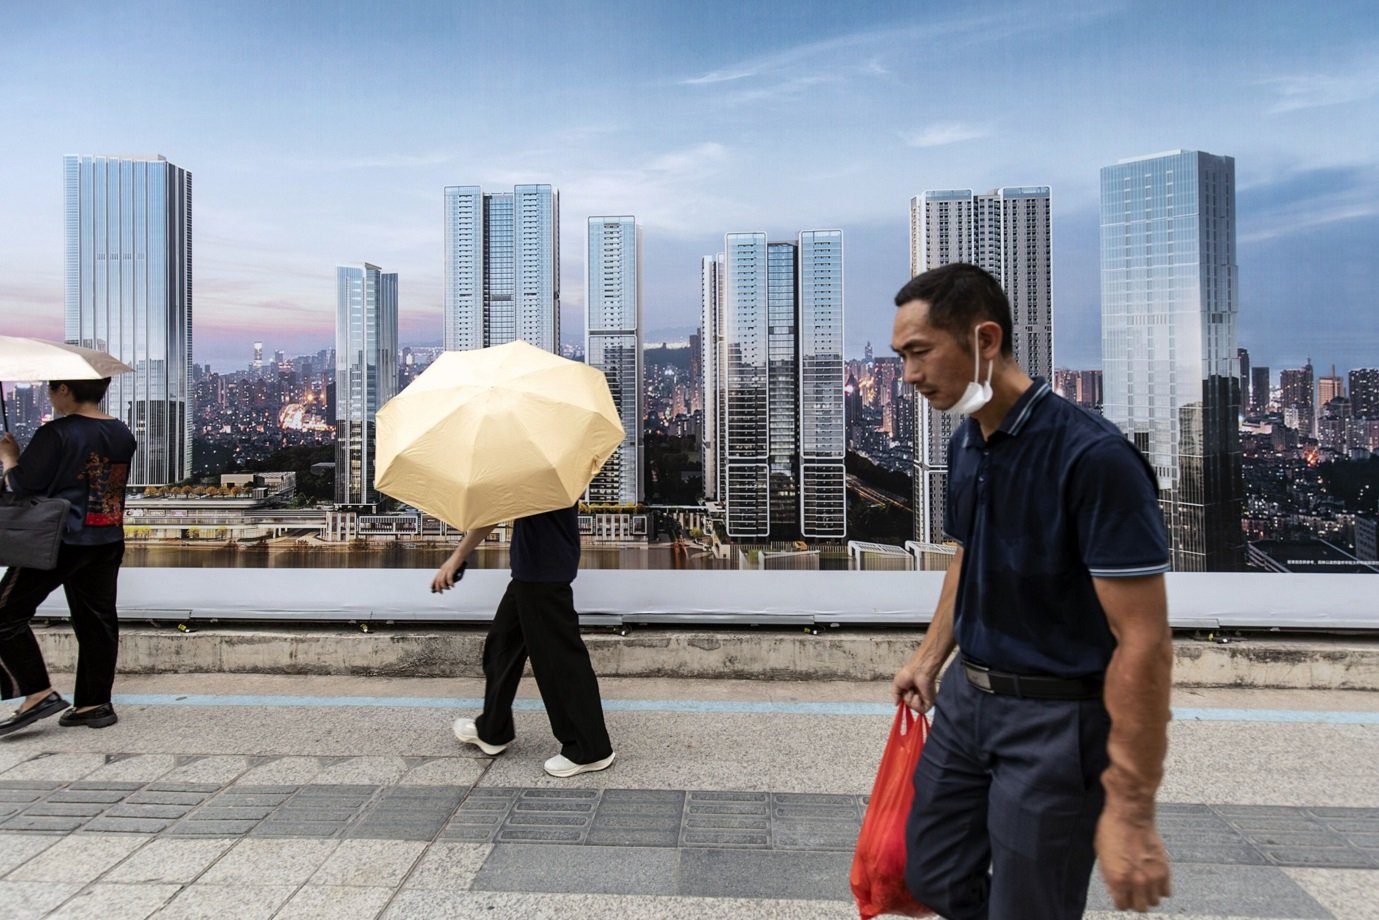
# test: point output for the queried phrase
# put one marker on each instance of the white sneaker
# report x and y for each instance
(469, 734)
(560, 765)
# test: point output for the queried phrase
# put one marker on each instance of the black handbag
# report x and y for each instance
(31, 530)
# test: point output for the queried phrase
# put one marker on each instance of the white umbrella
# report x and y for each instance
(39, 359)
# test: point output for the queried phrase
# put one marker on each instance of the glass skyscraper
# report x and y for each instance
(779, 435)
(1007, 232)
(502, 267)
(365, 373)
(712, 270)
(129, 292)
(613, 344)
(1169, 299)
(822, 426)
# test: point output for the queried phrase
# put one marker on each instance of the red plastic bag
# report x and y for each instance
(878, 868)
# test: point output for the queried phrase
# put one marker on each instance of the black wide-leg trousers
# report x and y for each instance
(88, 575)
(537, 619)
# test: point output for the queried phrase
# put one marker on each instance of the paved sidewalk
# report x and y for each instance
(297, 797)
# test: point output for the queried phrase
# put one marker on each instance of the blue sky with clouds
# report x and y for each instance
(323, 133)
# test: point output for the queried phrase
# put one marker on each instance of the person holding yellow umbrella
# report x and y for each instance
(536, 618)
(83, 456)
(512, 433)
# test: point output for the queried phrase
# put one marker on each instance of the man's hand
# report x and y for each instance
(1133, 863)
(451, 571)
(915, 685)
(9, 450)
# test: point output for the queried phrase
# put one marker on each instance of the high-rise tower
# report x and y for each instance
(129, 292)
(1007, 232)
(780, 431)
(711, 273)
(1169, 299)
(365, 373)
(502, 267)
(613, 344)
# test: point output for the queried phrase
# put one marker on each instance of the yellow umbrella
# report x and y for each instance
(485, 436)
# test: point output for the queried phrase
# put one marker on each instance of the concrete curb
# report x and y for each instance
(1273, 662)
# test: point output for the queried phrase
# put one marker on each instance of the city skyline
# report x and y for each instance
(672, 131)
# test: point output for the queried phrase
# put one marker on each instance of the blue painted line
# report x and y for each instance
(1324, 717)
(430, 702)
(1332, 717)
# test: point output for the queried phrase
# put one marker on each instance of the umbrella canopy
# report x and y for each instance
(493, 434)
(38, 359)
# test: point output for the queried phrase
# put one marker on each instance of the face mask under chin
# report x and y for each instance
(977, 394)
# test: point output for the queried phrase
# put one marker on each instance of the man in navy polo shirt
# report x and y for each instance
(537, 617)
(1049, 734)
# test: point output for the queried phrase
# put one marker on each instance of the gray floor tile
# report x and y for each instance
(448, 865)
(17, 849)
(170, 860)
(218, 902)
(369, 863)
(337, 902)
(1229, 891)
(269, 862)
(116, 902)
(1319, 857)
(32, 900)
(590, 869)
(765, 874)
(79, 859)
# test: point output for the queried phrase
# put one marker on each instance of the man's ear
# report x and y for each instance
(989, 339)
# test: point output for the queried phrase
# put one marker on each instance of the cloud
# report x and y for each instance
(691, 160)
(368, 161)
(943, 133)
(782, 90)
(1304, 199)
(1301, 92)
(1306, 217)
(722, 76)
(839, 56)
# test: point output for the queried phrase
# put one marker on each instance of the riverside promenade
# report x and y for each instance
(289, 796)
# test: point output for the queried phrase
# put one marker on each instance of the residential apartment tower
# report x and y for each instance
(613, 344)
(502, 267)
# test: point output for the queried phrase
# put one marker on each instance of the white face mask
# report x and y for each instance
(977, 394)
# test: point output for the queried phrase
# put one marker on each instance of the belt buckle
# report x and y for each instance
(978, 677)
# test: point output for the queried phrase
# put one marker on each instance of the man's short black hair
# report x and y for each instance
(960, 296)
(83, 391)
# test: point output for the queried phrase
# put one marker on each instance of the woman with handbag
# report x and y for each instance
(82, 456)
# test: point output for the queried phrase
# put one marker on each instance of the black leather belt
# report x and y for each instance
(1030, 686)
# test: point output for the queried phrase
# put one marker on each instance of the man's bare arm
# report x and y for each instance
(1138, 684)
(914, 683)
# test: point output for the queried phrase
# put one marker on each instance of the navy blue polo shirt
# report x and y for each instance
(545, 547)
(1055, 497)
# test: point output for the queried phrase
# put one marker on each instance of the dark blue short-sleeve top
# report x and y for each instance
(1054, 498)
(545, 547)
